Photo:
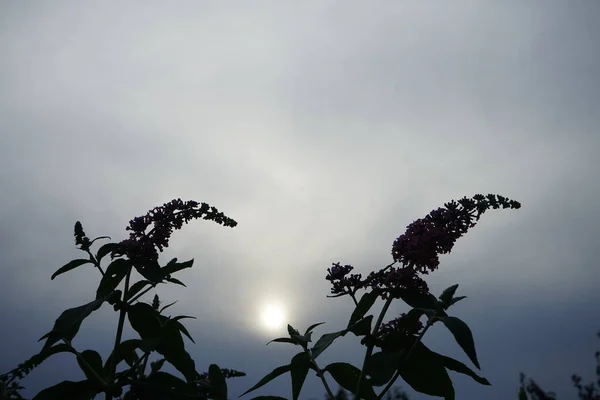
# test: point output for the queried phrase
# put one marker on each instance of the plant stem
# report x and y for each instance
(397, 374)
(320, 373)
(370, 346)
(123, 311)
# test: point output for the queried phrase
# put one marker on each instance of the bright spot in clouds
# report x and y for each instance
(273, 317)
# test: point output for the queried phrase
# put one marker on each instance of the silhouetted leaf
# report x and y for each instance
(347, 375)
(124, 351)
(67, 325)
(417, 299)
(381, 367)
(217, 381)
(362, 327)
(324, 342)
(448, 294)
(90, 363)
(299, 369)
(137, 287)
(463, 336)
(363, 307)
(426, 373)
(144, 320)
(457, 299)
(459, 367)
(105, 249)
(313, 326)
(82, 390)
(171, 346)
(69, 266)
(282, 340)
(114, 274)
(269, 377)
(175, 281)
(173, 267)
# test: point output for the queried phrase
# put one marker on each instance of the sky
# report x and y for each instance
(323, 128)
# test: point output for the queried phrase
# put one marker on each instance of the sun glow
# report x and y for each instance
(273, 317)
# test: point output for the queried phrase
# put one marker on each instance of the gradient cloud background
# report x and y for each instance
(323, 128)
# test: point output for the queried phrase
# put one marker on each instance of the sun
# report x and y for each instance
(272, 317)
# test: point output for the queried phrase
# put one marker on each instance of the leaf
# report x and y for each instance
(175, 281)
(144, 320)
(168, 381)
(457, 366)
(155, 366)
(282, 340)
(114, 274)
(105, 249)
(90, 363)
(362, 327)
(457, 299)
(137, 287)
(324, 342)
(82, 390)
(363, 307)
(171, 346)
(416, 299)
(313, 326)
(173, 267)
(183, 330)
(426, 373)
(347, 375)
(463, 336)
(67, 325)
(217, 381)
(299, 369)
(448, 294)
(167, 306)
(69, 266)
(124, 351)
(269, 377)
(381, 367)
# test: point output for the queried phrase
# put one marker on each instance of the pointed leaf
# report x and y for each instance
(463, 336)
(114, 274)
(347, 375)
(175, 281)
(137, 287)
(313, 326)
(362, 327)
(324, 342)
(167, 306)
(69, 266)
(82, 390)
(363, 307)
(299, 369)
(105, 249)
(416, 299)
(426, 373)
(381, 367)
(457, 366)
(90, 363)
(448, 294)
(144, 320)
(457, 299)
(173, 267)
(126, 350)
(171, 346)
(282, 340)
(217, 381)
(67, 325)
(269, 377)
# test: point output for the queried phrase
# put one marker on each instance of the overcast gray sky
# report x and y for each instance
(323, 128)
